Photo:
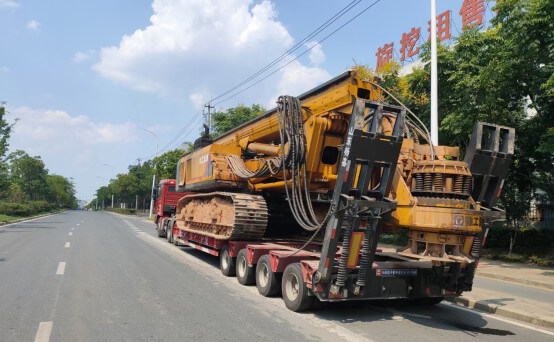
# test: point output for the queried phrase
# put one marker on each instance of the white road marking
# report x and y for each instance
(72, 228)
(78, 223)
(70, 233)
(67, 244)
(506, 320)
(43, 332)
(82, 220)
(61, 268)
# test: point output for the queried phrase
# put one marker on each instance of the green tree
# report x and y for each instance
(5, 131)
(125, 186)
(61, 191)
(234, 117)
(166, 164)
(502, 75)
(29, 173)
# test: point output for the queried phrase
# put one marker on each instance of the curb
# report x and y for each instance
(516, 280)
(502, 311)
(3, 223)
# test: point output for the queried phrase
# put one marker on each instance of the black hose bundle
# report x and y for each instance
(291, 130)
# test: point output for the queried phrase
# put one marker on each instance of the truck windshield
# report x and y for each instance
(171, 189)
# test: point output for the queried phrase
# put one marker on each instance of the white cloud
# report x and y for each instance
(33, 24)
(4, 69)
(316, 53)
(55, 128)
(8, 4)
(80, 56)
(197, 49)
(297, 78)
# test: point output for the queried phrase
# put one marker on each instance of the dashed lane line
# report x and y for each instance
(70, 233)
(72, 228)
(61, 268)
(67, 244)
(44, 331)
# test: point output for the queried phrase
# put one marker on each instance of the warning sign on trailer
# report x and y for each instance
(395, 272)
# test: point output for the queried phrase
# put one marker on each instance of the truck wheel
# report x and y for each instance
(246, 275)
(267, 282)
(160, 228)
(169, 234)
(295, 293)
(226, 262)
(175, 242)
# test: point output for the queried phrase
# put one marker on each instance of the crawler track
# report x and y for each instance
(223, 215)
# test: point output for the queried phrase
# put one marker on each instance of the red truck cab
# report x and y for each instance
(165, 202)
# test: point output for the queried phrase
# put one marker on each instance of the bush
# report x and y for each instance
(126, 211)
(15, 209)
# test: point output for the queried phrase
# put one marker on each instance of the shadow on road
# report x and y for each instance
(441, 316)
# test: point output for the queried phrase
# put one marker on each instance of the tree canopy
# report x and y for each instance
(501, 75)
(223, 121)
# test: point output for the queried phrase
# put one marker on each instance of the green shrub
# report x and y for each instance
(126, 211)
(15, 209)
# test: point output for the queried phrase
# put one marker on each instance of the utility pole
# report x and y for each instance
(136, 203)
(434, 80)
(154, 174)
(112, 200)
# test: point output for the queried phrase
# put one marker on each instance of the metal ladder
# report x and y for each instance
(369, 158)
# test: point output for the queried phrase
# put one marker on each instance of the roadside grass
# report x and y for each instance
(121, 211)
(9, 218)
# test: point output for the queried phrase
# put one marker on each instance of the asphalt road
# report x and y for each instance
(93, 276)
(513, 289)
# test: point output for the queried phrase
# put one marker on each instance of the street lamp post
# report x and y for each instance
(154, 174)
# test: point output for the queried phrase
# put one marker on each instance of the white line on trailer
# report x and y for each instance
(61, 268)
(43, 332)
(67, 244)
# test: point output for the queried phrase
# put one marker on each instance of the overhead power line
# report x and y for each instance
(187, 128)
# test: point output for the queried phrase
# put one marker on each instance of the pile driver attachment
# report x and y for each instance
(489, 155)
(369, 158)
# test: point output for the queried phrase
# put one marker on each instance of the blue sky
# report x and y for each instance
(85, 77)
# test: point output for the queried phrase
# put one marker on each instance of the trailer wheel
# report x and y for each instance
(161, 231)
(226, 262)
(295, 293)
(267, 281)
(246, 275)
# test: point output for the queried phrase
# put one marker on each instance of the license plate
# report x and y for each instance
(395, 272)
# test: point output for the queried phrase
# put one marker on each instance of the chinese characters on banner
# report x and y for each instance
(471, 12)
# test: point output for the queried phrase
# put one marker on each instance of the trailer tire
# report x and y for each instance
(267, 281)
(295, 293)
(159, 228)
(246, 275)
(226, 262)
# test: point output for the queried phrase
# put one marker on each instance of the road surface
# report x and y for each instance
(95, 276)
